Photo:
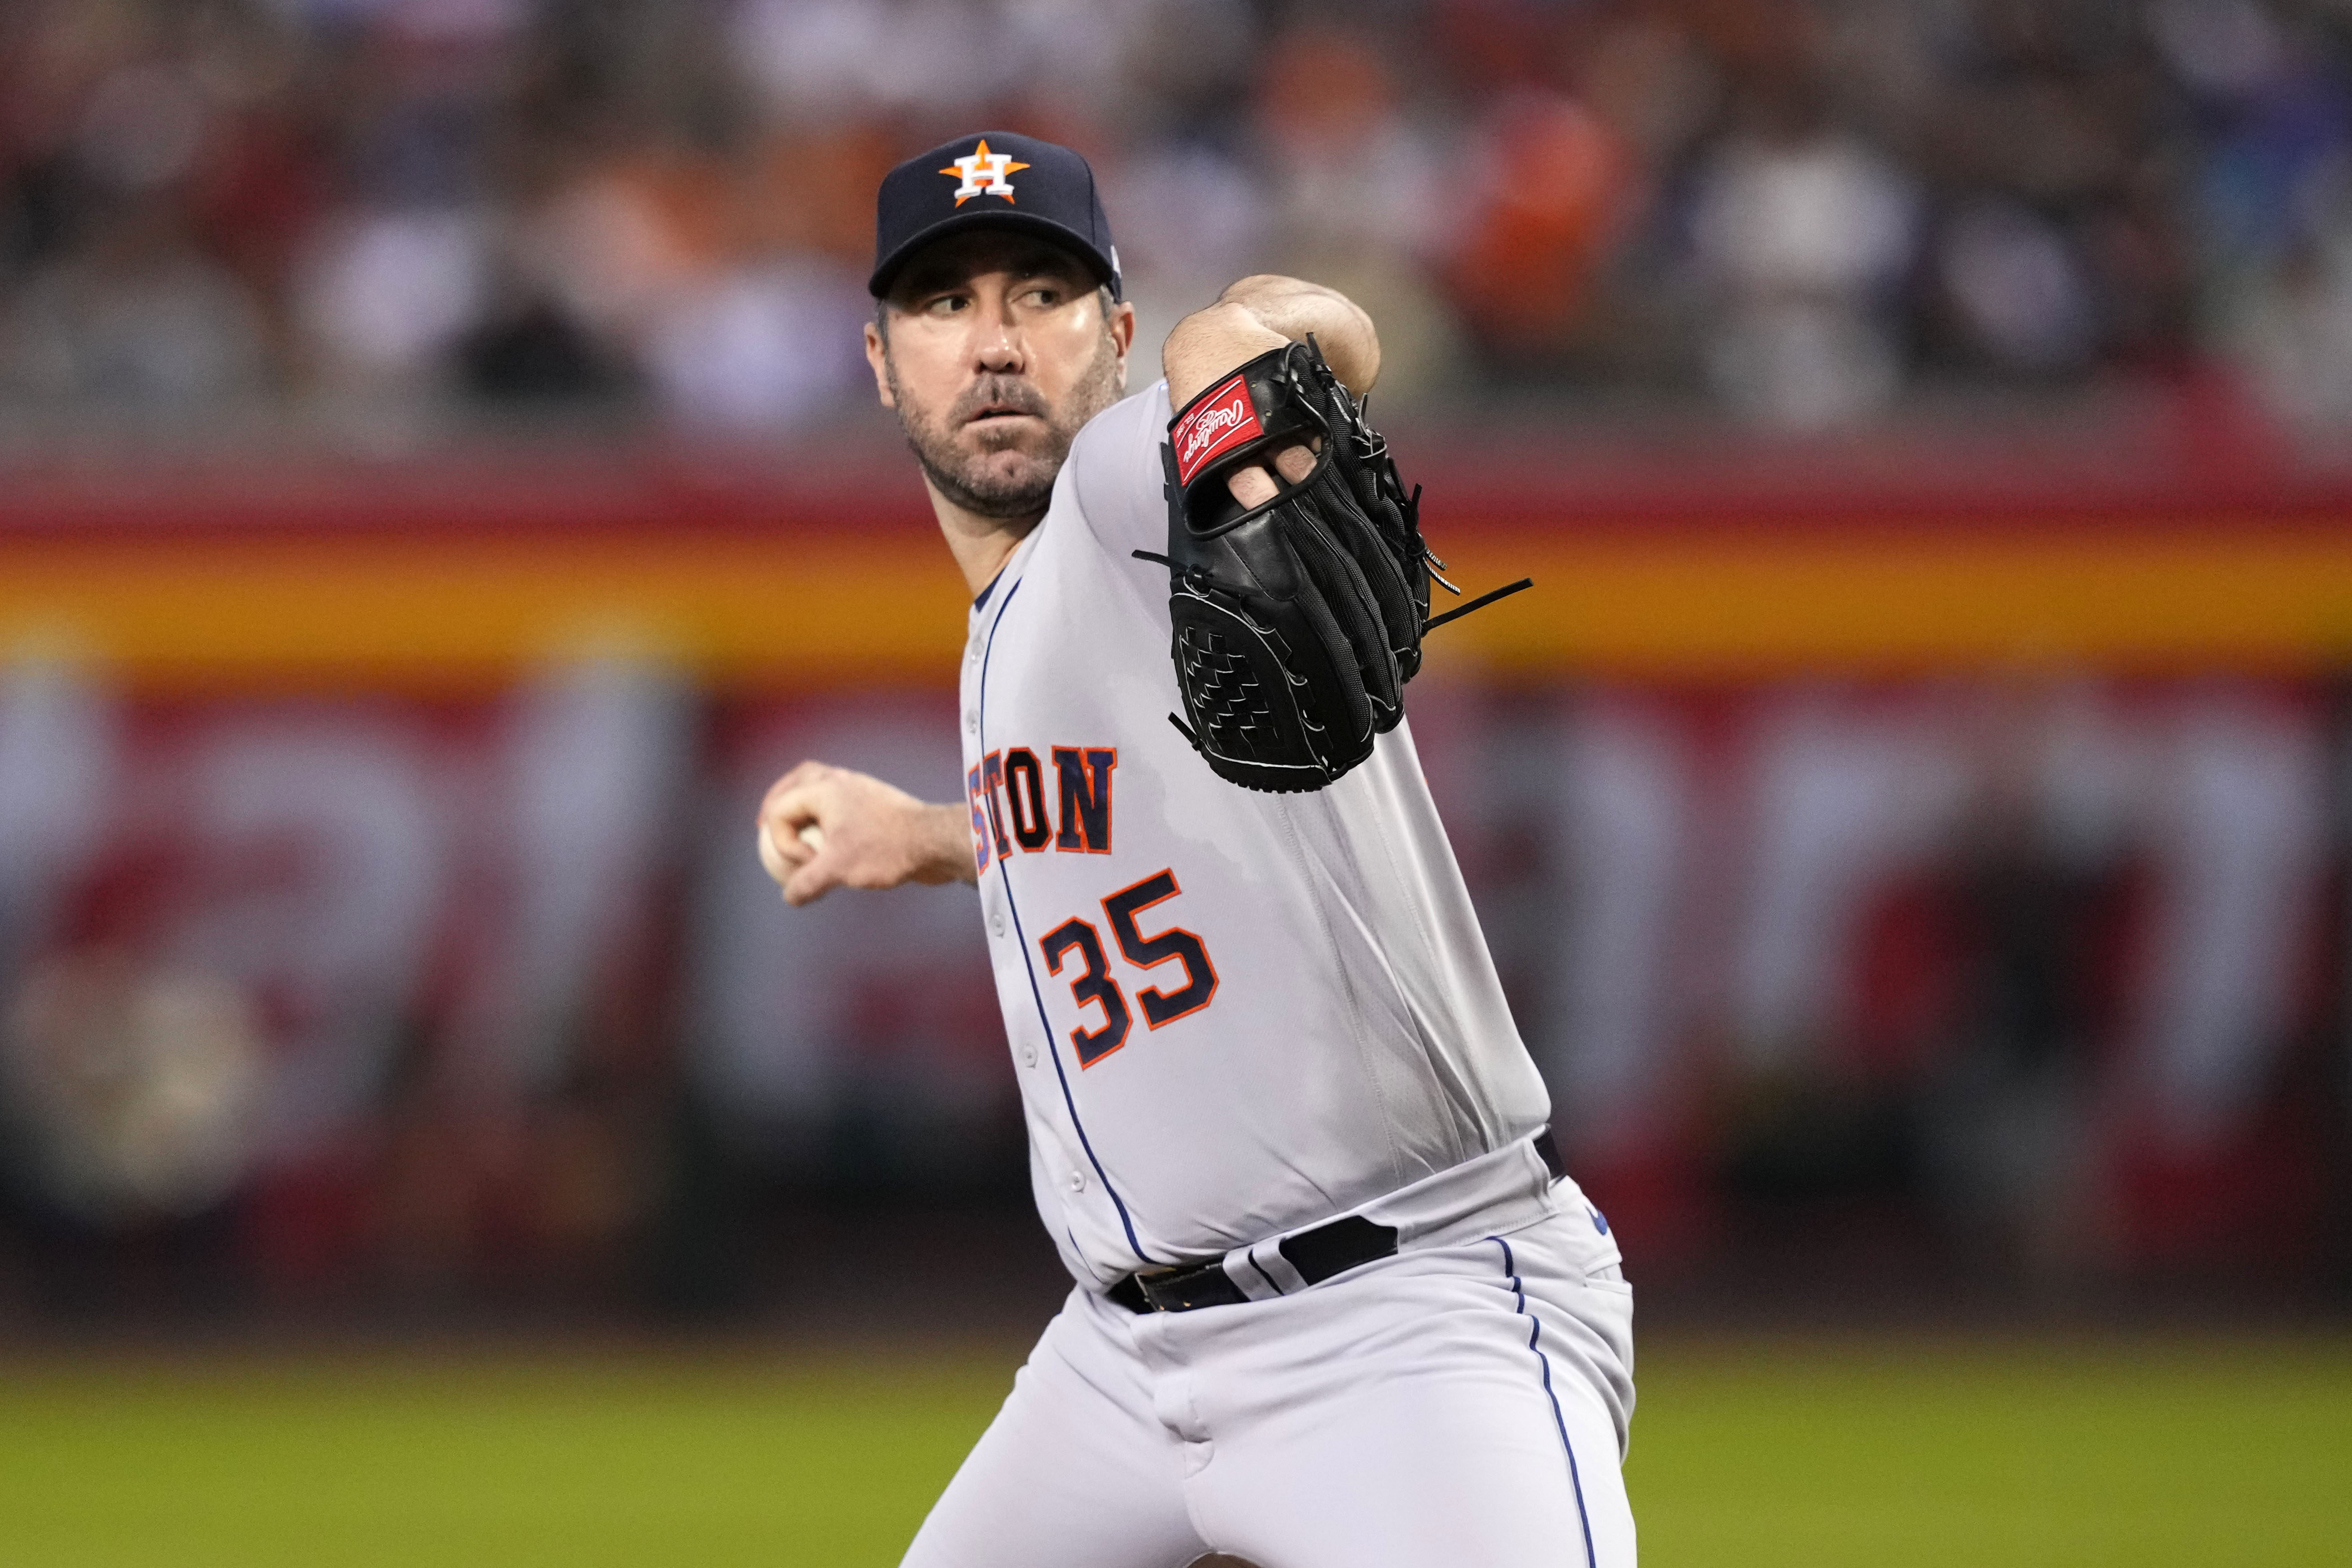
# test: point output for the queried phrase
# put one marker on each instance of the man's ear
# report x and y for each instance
(877, 354)
(1121, 326)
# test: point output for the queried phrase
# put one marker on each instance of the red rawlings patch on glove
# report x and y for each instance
(1219, 420)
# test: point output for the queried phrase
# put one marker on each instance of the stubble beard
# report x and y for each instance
(971, 480)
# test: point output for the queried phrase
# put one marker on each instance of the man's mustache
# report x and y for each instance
(998, 394)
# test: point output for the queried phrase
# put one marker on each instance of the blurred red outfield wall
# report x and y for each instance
(1955, 843)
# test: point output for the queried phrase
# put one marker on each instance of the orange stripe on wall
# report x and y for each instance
(1715, 607)
(315, 610)
(459, 612)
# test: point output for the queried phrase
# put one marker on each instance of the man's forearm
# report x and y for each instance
(1295, 307)
(1263, 312)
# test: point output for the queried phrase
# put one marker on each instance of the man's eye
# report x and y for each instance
(947, 305)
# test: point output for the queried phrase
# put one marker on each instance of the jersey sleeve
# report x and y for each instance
(1115, 473)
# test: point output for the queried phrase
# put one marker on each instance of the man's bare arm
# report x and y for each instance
(866, 834)
(1263, 312)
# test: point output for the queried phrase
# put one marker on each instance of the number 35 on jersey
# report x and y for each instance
(1094, 985)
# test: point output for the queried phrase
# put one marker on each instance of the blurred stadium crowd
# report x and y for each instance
(1799, 210)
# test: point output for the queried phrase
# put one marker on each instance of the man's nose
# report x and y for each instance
(1001, 350)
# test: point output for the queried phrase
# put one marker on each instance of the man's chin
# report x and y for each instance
(1006, 450)
(995, 488)
(1010, 472)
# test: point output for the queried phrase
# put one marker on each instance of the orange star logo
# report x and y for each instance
(983, 174)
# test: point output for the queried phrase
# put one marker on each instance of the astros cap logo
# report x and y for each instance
(984, 173)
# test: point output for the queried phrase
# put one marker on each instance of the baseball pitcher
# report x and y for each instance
(1337, 1306)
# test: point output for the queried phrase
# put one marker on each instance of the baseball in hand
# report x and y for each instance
(772, 859)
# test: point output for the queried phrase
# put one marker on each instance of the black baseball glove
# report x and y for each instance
(1296, 622)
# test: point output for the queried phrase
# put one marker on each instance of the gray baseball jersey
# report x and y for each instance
(1232, 1014)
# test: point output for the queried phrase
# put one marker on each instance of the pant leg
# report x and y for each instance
(1074, 1472)
(1463, 1406)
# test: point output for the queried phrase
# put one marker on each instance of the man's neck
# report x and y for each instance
(980, 545)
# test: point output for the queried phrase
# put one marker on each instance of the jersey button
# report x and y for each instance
(1077, 1181)
(1028, 1055)
(996, 923)
(972, 723)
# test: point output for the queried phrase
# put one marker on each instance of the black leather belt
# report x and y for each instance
(1348, 1242)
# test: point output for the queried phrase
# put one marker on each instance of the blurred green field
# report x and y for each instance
(1813, 1453)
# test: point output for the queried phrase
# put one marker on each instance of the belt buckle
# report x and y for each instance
(1188, 1285)
(1144, 1283)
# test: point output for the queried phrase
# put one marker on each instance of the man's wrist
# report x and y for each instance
(1291, 310)
(945, 845)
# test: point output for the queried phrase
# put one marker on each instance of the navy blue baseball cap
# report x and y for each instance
(996, 180)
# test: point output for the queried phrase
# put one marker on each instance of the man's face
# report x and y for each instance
(998, 351)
